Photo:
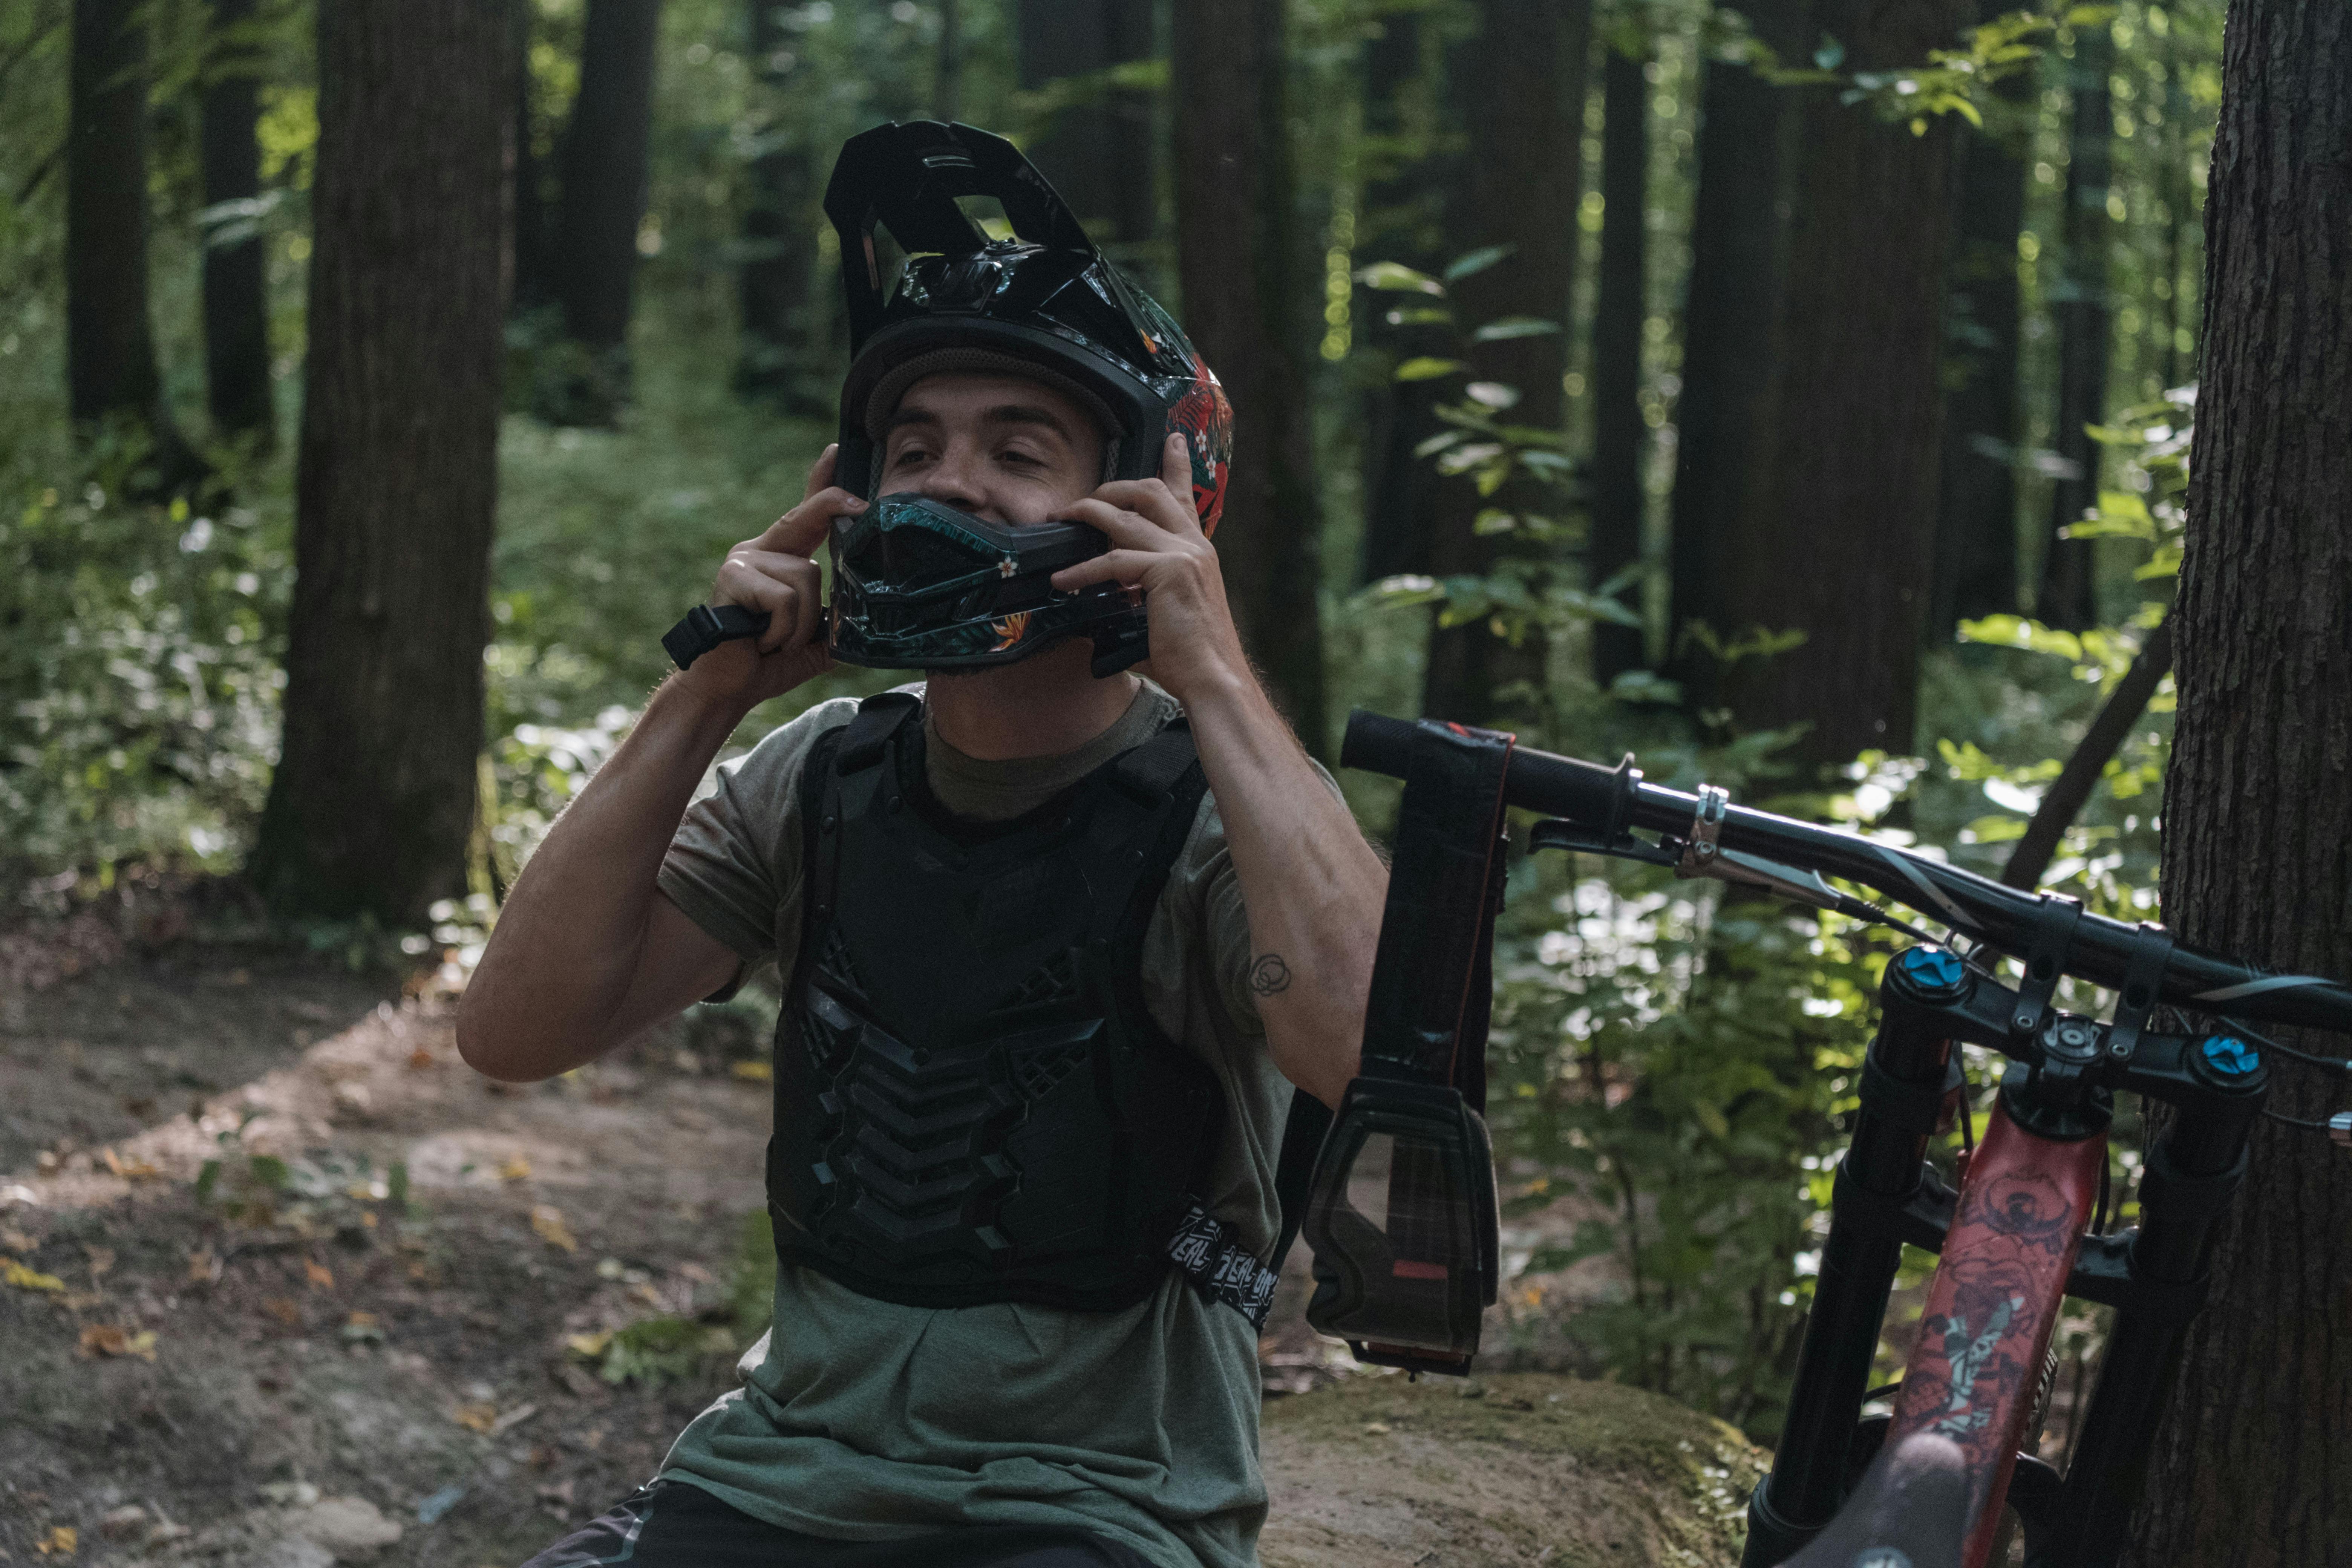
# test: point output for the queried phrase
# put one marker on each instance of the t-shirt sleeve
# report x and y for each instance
(734, 865)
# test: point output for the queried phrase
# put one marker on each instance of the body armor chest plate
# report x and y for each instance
(972, 1102)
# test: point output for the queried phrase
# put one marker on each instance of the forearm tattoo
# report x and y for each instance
(1269, 974)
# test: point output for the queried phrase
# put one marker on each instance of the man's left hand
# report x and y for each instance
(1157, 545)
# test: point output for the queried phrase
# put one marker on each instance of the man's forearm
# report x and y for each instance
(562, 960)
(1314, 886)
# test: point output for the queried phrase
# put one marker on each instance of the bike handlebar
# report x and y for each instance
(1610, 801)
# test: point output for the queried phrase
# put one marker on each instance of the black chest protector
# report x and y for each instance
(973, 1103)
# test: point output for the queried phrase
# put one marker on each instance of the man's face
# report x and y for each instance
(1002, 447)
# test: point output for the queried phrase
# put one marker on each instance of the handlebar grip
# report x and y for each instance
(1597, 797)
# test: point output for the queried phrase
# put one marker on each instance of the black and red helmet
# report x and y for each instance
(1044, 303)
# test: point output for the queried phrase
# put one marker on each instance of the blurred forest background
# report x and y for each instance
(1797, 394)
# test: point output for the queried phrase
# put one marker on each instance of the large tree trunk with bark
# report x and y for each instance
(1521, 85)
(372, 802)
(1975, 530)
(1619, 310)
(1836, 535)
(780, 225)
(1096, 154)
(603, 201)
(1738, 255)
(110, 337)
(2253, 1461)
(1401, 220)
(1239, 272)
(236, 304)
(2069, 593)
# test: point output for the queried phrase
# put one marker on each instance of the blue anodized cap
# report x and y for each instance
(2228, 1055)
(1935, 973)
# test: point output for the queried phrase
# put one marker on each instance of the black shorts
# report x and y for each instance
(672, 1525)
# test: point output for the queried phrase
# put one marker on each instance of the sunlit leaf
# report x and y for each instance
(1396, 275)
(1435, 444)
(1422, 367)
(1513, 327)
(1495, 394)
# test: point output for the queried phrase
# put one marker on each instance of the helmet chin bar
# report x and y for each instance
(919, 584)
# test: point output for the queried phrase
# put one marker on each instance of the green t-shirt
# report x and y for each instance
(862, 1419)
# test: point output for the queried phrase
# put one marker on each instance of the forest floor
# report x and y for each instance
(285, 1283)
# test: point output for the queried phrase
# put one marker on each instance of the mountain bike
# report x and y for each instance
(2026, 1226)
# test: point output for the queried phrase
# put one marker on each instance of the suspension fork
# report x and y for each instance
(1905, 1076)
(1998, 1290)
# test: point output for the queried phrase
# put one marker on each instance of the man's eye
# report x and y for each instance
(909, 455)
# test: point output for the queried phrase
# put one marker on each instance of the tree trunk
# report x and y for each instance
(2252, 1458)
(529, 288)
(110, 337)
(1097, 155)
(779, 226)
(372, 800)
(1619, 310)
(1521, 84)
(1837, 536)
(1738, 256)
(603, 200)
(1401, 220)
(1242, 290)
(236, 307)
(1976, 531)
(947, 91)
(2069, 595)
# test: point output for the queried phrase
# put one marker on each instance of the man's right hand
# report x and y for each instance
(776, 573)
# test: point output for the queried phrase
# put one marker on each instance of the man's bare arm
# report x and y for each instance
(587, 950)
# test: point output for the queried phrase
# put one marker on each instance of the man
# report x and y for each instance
(1046, 994)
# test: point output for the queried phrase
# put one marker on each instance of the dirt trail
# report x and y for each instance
(288, 1285)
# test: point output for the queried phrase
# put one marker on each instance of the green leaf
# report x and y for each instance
(1439, 442)
(1396, 275)
(2017, 631)
(272, 1171)
(207, 1177)
(1422, 367)
(1479, 260)
(1421, 316)
(1504, 327)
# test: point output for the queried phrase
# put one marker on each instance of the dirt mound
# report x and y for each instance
(1376, 1472)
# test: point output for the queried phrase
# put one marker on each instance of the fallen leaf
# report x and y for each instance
(24, 1278)
(123, 1522)
(515, 1169)
(17, 1240)
(284, 1310)
(588, 1347)
(361, 1321)
(62, 1541)
(106, 1340)
(320, 1277)
(548, 1220)
(203, 1266)
(644, 1291)
(1377, 1428)
(419, 1059)
(478, 1417)
(133, 1169)
(754, 1072)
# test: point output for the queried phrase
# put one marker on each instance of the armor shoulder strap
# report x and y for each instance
(1157, 766)
(878, 718)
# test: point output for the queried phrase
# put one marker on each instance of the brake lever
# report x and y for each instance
(1559, 833)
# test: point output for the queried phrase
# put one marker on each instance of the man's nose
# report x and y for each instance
(955, 479)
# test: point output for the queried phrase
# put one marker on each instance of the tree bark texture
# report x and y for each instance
(781, 219)
(2068, 592)
(1097, 155)
(1241, 288)
(603, 198)
(109, 336)
(2253, 1465)
(1976, 529)
(1836, 533)
(372, 800)
(1619, 310)
(1520, 83)
(1738, 256)
(236, 304)
(1401, 218)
